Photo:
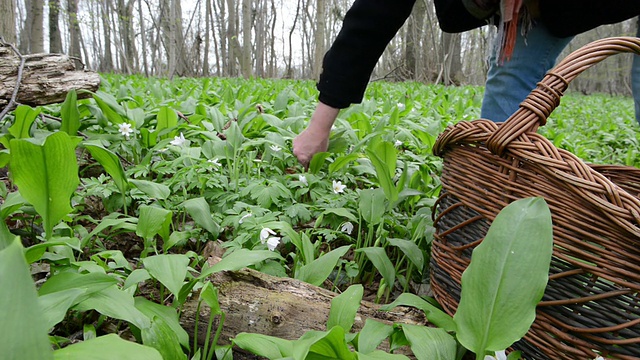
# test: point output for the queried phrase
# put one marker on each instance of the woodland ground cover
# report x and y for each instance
(115, 197)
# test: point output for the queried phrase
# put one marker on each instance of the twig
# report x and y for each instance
(12, 102)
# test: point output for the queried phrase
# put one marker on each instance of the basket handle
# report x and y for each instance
(539, 104)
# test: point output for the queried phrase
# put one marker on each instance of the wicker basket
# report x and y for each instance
(592, 300)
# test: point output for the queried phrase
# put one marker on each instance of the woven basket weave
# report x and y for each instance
(592, 300)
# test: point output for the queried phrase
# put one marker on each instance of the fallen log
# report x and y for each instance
(283, 307)
(45, 79)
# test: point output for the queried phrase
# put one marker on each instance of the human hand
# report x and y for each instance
(315, 138)
(308, 143)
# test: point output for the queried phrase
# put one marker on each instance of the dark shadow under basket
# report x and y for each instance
(592, 300)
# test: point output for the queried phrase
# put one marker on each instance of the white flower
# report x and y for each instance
(125, 129)
(599, 358)
(214, 162)
(500, 355)
(244, 217)
(338, 187)
(400, 106)
(264, 234)
(178, 140)
(303, 179)
(275, 148)
(273, 242)
(347, 227)
(398, 143)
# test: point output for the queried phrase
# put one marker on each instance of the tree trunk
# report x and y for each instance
(207, 41)
(46, 78)
(125, 22)
(245, 64)
(289, 59)
(282, 307)
(8, 20)
(232, 39)
(32, 36)
(55, 41)
(74, 31)
(143, 39)
(319, 37)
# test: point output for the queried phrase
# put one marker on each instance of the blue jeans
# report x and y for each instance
(509, 82)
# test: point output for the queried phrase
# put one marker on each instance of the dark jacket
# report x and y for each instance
(369, 26)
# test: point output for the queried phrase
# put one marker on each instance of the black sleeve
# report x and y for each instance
(367, 29)
(571, 17)
(453, 17)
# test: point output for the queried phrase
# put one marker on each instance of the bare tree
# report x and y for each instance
(129, 58)
(32, 34)
(289, 59)
(245, 64)
(319, 37)
(143, 38)
(8, 20)
(106, 64)
(55, 41)
(74, 30)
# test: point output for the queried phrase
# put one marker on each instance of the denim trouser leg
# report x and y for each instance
(635, 79)
(510, 82)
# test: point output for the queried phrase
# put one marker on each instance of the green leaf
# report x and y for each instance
(411, 250)
(371, 205)
(383, 175)
(267, 346)
(46, 176)
(152, 189)
(24, 334)
(240, 259)
(110, 108)
(344, 308)
(388, 154)
(380, 260)
(331, 345)
(315, 165)
(380, 355)
(136, 276)
(55, 305)
(372, 335)
(169, 269)
(24, 118)
(111, 164)
(429, 343)
(435, 315)
(319, 270)
(153, 221)
(69, 114)
(90, 283)
(200, 212)
(343, 212)
(117, 304)
(497, 307)
(167, 119)
(342, 161)
(107, 347)
(161, 337)
(209, 294)
(11, 204)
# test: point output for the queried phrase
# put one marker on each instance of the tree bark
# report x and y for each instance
(245, 64)
(55, 40)
(32, 36)
(319, 37)
(8, 22)
(74, 31)
(47, 78)
(283, 307)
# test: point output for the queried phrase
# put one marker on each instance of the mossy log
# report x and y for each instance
(46, 78)
(283, 307)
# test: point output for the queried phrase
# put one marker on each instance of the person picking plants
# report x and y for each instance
(531, 35)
